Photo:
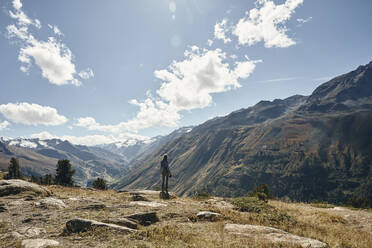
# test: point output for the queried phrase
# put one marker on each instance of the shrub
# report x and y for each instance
(99, 183)
(47, 179)
(358, 202)
(250, 204)
(203, 194)
(262, 192)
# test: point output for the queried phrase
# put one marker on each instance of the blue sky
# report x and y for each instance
(102, 71)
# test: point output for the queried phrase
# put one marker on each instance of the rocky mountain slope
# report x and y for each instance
(306, 148)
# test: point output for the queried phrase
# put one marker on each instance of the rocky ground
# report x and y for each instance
(55, 216)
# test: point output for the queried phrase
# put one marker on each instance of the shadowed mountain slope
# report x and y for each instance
(316, 147)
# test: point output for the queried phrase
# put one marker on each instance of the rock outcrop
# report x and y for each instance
(273, 235)
(16, 186)
(39, 243)
(51, 202)
(82, 225)
(144, 219)
(209, 216)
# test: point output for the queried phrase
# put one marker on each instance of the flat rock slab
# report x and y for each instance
(273, 235)
(209, 216)
(139, 198)
(144, 192)
(144, 219)
(16, 186)
(147, 204)
(122, 222)
(51, 202)
(82, 225)
(2, 207)
(38, 243)
(94, 206)
(31, 232)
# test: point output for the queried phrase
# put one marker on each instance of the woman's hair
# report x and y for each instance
(165, 156)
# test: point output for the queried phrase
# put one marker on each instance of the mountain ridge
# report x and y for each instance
(303, 147)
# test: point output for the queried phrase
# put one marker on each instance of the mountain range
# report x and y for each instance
(304, 147)
(316, 147)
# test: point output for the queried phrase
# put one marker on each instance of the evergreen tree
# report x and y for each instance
(99, 183)
(35, 179)
(47, 179)
(13, 170)
(64, 173)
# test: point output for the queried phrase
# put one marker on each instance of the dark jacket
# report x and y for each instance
(164, 169)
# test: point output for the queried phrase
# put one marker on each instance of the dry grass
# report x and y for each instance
(178, 226)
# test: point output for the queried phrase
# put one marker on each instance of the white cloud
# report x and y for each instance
(54, 58)
(4, 125)
(301, 20)
(86, 74)
(266, 23)
(210, 42)
(220, 31)
(124, 139)
(279, 79)
(55, 29)
(43, 136)
(186, 85)
(32, 114)
(17, 4)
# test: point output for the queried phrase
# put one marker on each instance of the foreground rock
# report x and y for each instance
(94, 206)
(16, 186)
(209, 216)
(136, 197)
(147, 204)
(39, 243)
(273, 235)
(123, 222)
(82, 225)
(2, 207)
(144, 219)
(51, 202)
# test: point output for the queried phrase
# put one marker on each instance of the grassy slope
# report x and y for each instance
(344, 228)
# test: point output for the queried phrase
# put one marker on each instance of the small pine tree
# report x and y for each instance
(47, 179)
(13, 170)
(99, 183)
(35, 179)
(64, 173)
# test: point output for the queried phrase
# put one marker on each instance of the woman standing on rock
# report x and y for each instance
(165, 173)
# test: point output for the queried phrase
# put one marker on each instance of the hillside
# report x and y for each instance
(80, 217)
(306, 148)
(39, 157)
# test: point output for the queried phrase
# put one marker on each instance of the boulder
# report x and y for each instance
(147, 204)
(82, 225)
(136, 197)
(144, 219)
(122, 222)
(51, 202)
(273, 235)
(31, 232)
(94, 206)
(164, 195)
(209, 216)
(2, 207)
(16, 186)
(38, 243)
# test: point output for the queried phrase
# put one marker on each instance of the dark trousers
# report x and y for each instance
(164, 179)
